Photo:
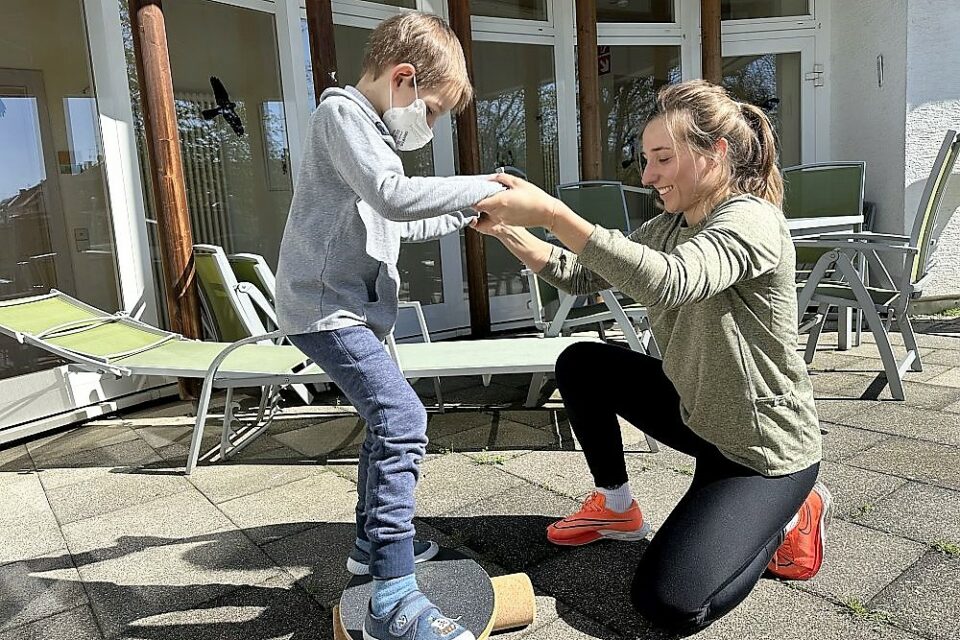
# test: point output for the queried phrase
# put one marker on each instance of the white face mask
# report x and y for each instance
(408, 125)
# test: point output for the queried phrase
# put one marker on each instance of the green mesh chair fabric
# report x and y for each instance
(820, 190)
(60, 322)
(597, 201)
(925, 223)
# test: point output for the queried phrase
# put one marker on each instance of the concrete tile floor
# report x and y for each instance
(101, 536)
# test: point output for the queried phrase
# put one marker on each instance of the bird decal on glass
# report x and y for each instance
(224, 107)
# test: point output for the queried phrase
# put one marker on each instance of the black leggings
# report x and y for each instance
(712, 549)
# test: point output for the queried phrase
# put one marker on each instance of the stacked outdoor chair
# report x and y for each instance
(888, 301)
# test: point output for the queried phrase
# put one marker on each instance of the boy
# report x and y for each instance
(337, 285)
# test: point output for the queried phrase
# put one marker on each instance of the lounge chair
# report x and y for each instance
(116, 344)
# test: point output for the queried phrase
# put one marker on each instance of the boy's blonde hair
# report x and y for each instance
(429, 44)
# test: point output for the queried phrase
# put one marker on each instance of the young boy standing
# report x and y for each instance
(337, 285)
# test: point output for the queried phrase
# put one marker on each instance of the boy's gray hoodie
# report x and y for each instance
(351, 208)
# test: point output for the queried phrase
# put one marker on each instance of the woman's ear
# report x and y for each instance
(721, 147)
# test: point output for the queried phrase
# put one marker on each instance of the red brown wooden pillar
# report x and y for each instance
(468, 152)
(591, 144)
(323, 49)
(169, 188)
(711, 51)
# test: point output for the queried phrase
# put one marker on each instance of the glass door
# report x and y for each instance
(772, 73)
(56, 225)
(516, 95)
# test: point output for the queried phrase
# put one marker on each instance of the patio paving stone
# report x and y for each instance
(910, 422)
(926, 462)
(28, 528)
(856, 492)
(85, 466)
(852, 567)
(29, 595)
(450, 481)
(15, 459)
(920, 512)
(508, 528)
(924, 599)
(274, 513)
(75, 624)
(841, 442)
(269, 611)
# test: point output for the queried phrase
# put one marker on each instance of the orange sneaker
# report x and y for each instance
(594, 521)
(801, 554)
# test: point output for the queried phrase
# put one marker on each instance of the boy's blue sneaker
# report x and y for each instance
(414, 618)
(358, 562)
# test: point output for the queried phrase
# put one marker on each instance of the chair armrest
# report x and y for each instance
(869, 236)
(258, 299)
(855, 245)
(421, 319)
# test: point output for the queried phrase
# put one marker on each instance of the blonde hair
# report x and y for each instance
(428, 43)
(698, 114)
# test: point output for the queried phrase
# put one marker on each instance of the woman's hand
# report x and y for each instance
(521, 204)
(488, 225)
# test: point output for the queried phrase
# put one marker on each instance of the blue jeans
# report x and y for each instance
(395, 443)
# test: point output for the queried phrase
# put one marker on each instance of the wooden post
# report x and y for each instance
(710, 39)
(323, 48)
(468, 152)
(169, 187)
(591, 144)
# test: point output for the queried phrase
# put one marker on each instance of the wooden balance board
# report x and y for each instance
(459, 587)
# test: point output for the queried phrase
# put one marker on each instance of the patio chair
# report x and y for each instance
(601, 202)
(253, 268)
(821, 190)
(116, 344)
(890, 302)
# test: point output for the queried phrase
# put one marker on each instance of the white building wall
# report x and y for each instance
(932, 107)
(866, 119)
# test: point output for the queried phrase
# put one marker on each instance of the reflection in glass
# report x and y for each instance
(517, 119)
(646, 11)
(745, 9)
(55, 225)
(238, 186)
(771, 82)
(628, 90)
(516, 9)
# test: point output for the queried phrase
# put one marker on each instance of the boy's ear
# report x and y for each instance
(401, 73)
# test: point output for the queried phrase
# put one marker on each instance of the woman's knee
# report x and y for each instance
(573, 363)
(668, 609)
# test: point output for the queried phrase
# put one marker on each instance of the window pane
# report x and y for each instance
(519, 9)
(56, 229)
(772, 82)
(745, 9)
(406, 4)
(517, 119)
(642, 11)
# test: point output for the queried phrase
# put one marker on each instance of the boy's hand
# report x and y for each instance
(522, 204)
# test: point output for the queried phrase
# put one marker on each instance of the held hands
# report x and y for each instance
(521, 204)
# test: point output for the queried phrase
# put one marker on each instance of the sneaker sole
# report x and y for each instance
(466, 635)
(610, 534)
(360, 569)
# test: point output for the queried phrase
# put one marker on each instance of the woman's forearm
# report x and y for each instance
(569, 228)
